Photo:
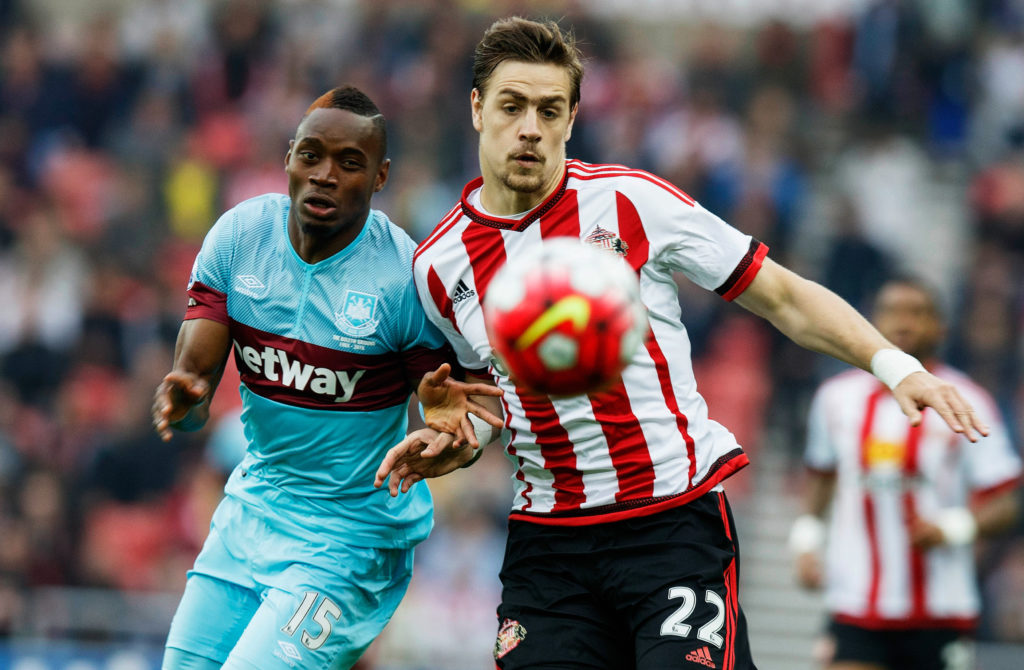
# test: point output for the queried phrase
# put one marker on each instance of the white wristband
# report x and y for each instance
(483, 430)
(892, 366)
(806, 535)
(957, 525)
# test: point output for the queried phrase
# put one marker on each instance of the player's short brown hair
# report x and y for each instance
(516, 38)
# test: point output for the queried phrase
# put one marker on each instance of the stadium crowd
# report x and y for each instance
(857, 144)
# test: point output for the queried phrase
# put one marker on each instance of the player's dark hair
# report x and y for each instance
(353, 100)
(918, 284)
(516, 38)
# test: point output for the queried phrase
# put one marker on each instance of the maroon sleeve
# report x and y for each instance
(206, 303)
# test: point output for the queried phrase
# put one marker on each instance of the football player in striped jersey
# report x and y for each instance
(621, 549)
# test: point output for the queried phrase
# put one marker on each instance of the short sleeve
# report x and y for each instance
(431, 291)
(424, 347)
(992, 461)
(210, 278)
(820, 451)
(689, 239)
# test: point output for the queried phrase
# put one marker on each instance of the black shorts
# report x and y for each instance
(652, 593)
(918, 648)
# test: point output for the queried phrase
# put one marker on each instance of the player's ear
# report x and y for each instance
(476, 102)
(382, 175)
(288, 154)
(572, 119)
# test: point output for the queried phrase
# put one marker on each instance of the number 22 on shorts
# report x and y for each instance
(675, 623)
(324, 613)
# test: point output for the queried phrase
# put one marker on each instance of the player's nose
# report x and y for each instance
(529, 128)
(323, 174)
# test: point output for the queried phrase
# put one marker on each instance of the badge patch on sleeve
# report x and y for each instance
(510, 635)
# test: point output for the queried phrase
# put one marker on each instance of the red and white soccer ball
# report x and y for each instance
(565, 318)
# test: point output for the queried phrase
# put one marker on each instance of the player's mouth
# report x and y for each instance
(527, 159)
(319, 206)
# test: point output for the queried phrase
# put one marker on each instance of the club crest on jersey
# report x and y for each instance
(510, 635)
(606, 239)
(357, 315)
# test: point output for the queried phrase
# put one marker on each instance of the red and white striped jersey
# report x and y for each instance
(647, 443)
(888, 472)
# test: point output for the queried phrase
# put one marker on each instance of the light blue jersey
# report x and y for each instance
(328, 354)
(306, 561)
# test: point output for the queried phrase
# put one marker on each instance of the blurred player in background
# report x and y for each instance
(621, 550)
(305, 561)
(910, 500)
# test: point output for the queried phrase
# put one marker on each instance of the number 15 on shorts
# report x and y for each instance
(327, 611)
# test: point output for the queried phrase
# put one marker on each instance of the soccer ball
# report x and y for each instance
(565, 318)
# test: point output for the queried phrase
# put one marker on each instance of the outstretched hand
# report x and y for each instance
(923, 389)
(178, 393)
(447, 404)
(408, 461)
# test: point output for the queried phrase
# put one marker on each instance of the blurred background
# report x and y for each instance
(856, 137)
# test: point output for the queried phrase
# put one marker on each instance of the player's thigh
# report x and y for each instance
(679, 589)
(548, 617)
(570, 636)
(176, 659)
(857, 648)
(323, 621)
(687, 623)
(210, 618)
(935, 649)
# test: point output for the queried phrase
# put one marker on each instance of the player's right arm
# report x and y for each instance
(807, 536)
(182, 399)
(808, 532)
(819, 320)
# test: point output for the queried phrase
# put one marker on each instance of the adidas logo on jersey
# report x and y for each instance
(275, 366)
(462, 292)
(701, 656)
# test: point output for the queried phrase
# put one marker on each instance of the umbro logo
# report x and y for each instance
(250, 285)
(250, 281)
(701, 656)
(462, 292)
(290, 650)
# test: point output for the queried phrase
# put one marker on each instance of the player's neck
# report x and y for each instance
(314, 245)
(500, 200)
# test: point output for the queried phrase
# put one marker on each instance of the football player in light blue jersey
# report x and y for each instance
(306, 561)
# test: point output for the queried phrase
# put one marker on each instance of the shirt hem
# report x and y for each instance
(962, 623)
(637, 508)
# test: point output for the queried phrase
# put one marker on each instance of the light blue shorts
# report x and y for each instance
(268, 594)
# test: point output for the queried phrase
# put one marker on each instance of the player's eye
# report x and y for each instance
(510, 109)
(307, 155)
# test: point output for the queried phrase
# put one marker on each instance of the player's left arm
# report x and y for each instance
(818, 319)
(430, 453)
(182, 399)
(991, 515)
(459, 408)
